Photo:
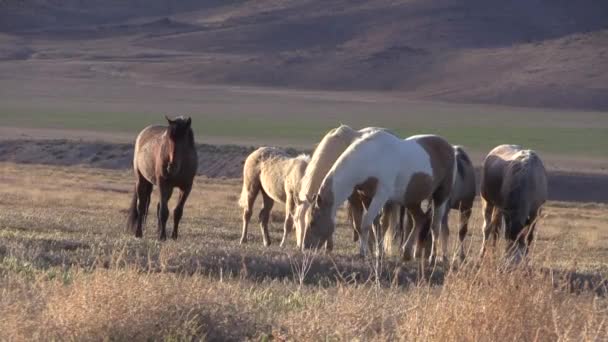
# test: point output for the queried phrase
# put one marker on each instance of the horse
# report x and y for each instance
(388, 170)
(164, 156)
(325, 154)
(513, 188)
(462, 198)
(277, 176)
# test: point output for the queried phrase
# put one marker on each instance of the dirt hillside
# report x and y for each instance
(550, 53)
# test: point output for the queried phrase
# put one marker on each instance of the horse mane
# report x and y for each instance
(323, 157)
(304, 157)
(189, 134)
(190, 138)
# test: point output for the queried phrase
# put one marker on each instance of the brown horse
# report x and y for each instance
(277, 176)
(164, 156)
(513, 188)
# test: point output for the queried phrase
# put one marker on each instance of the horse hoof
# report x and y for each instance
(243, 241)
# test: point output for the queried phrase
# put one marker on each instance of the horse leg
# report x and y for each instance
(363, 231)
(465, 215)
(288, 224)
(411, 247)
(178, 211)
(356, 211)
(163, 209)
(418, 220)
(440, 233)
(488, 211)
(406, 245)
(368, 219)
(265, 217)
(401, 229)
(144, 192)
(329, 244)
(252, 193)
(377, 230)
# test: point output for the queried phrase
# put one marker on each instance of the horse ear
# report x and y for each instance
(319, 200)
(168, 120)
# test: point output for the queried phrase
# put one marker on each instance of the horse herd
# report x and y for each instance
(385, 180)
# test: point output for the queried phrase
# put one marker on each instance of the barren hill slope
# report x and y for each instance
(524, 52)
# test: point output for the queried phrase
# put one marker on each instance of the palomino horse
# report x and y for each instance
(461, 198)
(277, 176)
(513, 187)
(387, 169)
(325, 154)
(164, 156)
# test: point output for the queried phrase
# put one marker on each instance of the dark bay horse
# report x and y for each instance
(513, 188)
(164, 156)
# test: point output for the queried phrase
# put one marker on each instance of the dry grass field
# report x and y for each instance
(68, 271)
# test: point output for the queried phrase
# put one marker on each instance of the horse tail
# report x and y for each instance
(250, 173)
(392, 230)
(244, 195)
(133, 214)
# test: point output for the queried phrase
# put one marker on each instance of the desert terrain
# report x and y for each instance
(80, 78)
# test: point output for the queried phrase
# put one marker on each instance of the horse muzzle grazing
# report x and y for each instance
(313, 242)
(516, 235)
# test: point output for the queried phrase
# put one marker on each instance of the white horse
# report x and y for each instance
(387, 169)
(333, 144)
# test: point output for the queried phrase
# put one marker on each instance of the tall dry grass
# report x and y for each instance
(477, 303)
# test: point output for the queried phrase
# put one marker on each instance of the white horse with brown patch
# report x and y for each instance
(387, 169)
(275, 174)
(513, 188)
(462, 198)
(333, 144)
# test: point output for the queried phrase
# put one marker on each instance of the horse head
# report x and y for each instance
(178, 140)
(319, 222)
(302, 206)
